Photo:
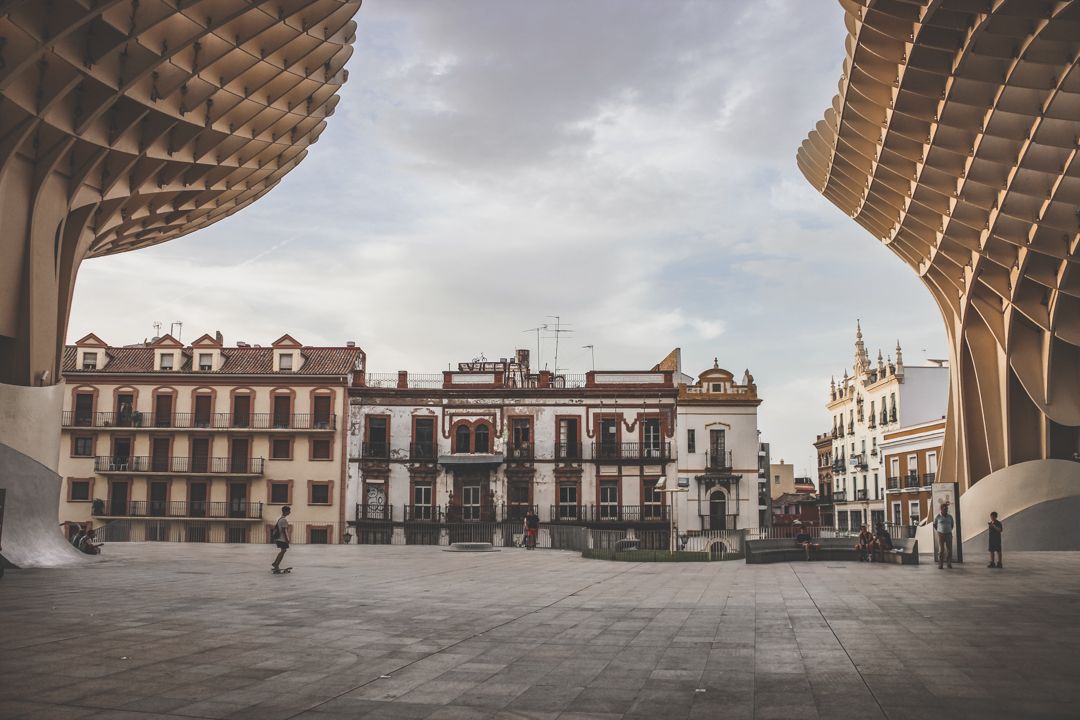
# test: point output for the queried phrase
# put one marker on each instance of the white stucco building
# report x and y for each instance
(875, 399)
(488, 441)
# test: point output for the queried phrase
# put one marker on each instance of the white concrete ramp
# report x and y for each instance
(31, 536)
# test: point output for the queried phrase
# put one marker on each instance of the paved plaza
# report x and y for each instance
(186, 631)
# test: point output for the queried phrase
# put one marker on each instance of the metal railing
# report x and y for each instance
(892, 483)
(608, 513)
(860, 495)
(213, 530)
(928, 478)
(201, 421)
(521, 452)
(375, 451)
(911, 480)
(374, 512)
(720, 460)
(632, 452)
(179, 509)
(423, 452)
(414, 380)
(840, 496)
(568, 452)
(179, 465)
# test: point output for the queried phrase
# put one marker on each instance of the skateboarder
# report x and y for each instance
(280, 536)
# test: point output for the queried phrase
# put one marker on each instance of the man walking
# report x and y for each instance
(994, 528)
(943, 526)
(280, 536)
(532, 527)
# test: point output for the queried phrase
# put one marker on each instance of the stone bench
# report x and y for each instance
(785, 550)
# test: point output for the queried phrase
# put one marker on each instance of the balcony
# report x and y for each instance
(149, 465)
(375, 451)
(892, 483)
(423, 452)
(719, 461)
(200, 421)
(609, 513)
(928, 478)
(825, 499)
(858, 462)
(183, 509)
(860, 495)
(521, 452)
(568, 453)
(840, 465)
(633, 452)
(374, 512)
(840, 496)
(911, 480)
(485, 512)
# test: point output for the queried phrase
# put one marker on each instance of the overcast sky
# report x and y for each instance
(627, 165)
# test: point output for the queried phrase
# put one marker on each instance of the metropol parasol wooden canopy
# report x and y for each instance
(954, 141)
(126, 123)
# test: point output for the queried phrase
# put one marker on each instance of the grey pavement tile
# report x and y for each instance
(515, 636)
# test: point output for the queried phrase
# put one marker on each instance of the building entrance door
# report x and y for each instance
(470, 502)
(718, 512)
(237, 500)
(118, 497)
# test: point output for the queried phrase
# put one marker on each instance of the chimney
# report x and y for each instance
(403, 379)
(350, 343)
(219, 337)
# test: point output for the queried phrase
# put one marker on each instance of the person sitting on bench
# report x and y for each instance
(882, 542)
(806, 542)
(865, 544)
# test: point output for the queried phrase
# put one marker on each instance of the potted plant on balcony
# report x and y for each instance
(98, 507)
(136, 419)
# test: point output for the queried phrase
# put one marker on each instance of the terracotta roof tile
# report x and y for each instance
(237, 361)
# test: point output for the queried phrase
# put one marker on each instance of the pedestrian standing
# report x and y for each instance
(943, 526)
(994, 530)
(532, 528)
(280, 536)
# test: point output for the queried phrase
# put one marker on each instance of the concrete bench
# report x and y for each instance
(785, 550)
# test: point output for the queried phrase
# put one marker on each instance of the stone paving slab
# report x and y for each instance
(205, 631)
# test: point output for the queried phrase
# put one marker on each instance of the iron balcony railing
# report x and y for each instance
(928, 478)
(485, 512)
(654, 512)
(568, 452)
(719, 460)
(911, 480)
(519, 452)
(632, 452)
(179, 465)
(375, 451)
(189, 420)
(840, 496)
(859, 461)
(233, 509)
(860, 495)
(374, 512)
(423, 452)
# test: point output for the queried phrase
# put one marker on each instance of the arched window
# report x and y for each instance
(461, 439)
(480, 439)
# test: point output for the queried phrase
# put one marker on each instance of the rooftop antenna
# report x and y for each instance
(157, 329)
(176, 324)
(592, 353)
(537, 331)
(558, 330)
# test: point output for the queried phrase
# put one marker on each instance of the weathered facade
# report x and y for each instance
(203, 442)
(491, 440)
(912, 454)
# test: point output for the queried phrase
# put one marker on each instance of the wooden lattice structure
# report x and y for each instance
(954, 141)
(126, 123)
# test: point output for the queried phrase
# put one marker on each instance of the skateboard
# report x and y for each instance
(281, 571)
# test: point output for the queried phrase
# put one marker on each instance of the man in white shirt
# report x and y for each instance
(280, 536)
(943, 526)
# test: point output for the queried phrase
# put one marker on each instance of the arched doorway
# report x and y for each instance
(718, 511)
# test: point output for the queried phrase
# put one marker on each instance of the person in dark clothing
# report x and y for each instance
(532, 527)
(994, 530)
(805, 541)
(865, 545)
(882, 541)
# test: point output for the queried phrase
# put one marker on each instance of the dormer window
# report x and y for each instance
(89, 361)
(166, 361)
(285, 362)
(206, 362)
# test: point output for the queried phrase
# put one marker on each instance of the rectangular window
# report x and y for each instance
(279, 493)
(89, 361)
(568, 500)
(568, 445)
(653, 501)
(166, 361)
(281, 449)
(83, 447)
(84, 409)
(321, 411)
(609, 501)
(422, 502)
(206, 362)
(285, 363)
(377, 443)
(520, 438)
(318, 536)
(913, 512)
(320, 494)
(650, 435)
(897, 517)
(691, 441)
(320, 449)
(78, 490)
(423, 439)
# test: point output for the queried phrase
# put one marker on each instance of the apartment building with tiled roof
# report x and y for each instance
(202, 442)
